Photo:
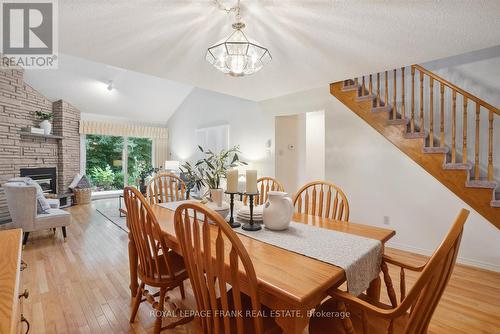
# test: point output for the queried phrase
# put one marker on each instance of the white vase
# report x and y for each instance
(217, 195)
(46, 126)
(278, 211)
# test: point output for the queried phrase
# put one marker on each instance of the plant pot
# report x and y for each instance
(217, 195)
(46, 126)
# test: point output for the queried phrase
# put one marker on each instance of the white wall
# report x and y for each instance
(250, 127)
(290, 150)
(315, 145)
(381, 181)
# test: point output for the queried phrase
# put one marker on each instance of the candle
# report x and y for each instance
(251, 181)
(232, 181)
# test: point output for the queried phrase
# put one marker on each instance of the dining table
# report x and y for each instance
(289, 284)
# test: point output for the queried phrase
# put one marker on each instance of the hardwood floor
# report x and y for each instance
(81, 285)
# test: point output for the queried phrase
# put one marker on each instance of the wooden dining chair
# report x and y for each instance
(216, 258)
(158, 266)
(415, 309)
(323, 199)
(264, 185)
(165, 187)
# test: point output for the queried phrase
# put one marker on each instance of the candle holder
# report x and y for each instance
(251, 226)
(231, 221)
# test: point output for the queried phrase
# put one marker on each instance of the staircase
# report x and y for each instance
(446, 130)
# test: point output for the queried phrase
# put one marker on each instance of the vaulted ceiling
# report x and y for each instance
(312, 42)
(135, 96)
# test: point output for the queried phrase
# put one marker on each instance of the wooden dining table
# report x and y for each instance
(290, 284)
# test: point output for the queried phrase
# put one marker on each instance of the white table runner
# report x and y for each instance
(360, 257)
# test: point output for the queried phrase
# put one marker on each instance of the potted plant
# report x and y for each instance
(45, 118)
(145, 171)
(211, 169)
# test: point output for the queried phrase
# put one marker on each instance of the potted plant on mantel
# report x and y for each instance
(45, 118)
(210, 170)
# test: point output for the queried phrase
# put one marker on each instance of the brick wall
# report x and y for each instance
(18, 103)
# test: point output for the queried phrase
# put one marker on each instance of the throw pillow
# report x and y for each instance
(43, 205)
(83, 183)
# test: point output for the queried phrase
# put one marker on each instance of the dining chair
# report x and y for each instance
(158, 266)
(264, 185)
(413, 312)
(217, 260)
(165, 187)
(323, 199)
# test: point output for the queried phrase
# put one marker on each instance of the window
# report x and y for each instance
(139, 157)
(113, 162)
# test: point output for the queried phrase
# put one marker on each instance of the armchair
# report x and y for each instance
(21, 200)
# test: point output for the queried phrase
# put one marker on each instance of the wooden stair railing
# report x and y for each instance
(450, 120)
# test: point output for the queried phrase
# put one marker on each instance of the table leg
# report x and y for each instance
(132, 258)
(374, 289)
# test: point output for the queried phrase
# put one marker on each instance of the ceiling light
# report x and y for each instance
(237, 56)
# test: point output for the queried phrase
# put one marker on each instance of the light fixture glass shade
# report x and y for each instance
(237, 56)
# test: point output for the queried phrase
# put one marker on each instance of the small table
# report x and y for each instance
(65, 199)
(120, 206)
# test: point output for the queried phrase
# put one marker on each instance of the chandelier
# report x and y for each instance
(237, 56)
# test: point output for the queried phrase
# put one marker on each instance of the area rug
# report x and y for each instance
(109, 209)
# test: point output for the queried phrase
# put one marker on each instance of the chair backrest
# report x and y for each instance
(166, 187)
(425, 294)
(21, 200)
(214, 256)
(324, 199)
(264, 185)
(152, 251)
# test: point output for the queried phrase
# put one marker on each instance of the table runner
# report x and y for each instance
(360, 257)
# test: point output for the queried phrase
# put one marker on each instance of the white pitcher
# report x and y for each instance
(278, 211)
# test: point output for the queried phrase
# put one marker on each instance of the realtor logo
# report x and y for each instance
(29, 33)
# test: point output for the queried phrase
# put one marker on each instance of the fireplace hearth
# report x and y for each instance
(46, 178)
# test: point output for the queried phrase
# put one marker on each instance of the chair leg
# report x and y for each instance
(25, 238)
(183, 292)
(159, 315)
(137, 302)
(64, 232)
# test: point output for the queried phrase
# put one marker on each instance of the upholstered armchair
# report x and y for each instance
(22, 203)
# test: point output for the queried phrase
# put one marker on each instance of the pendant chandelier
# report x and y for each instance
(237, 56)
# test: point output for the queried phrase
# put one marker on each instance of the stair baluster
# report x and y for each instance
(422, 124)
(363, 88)
(476, 139)
(441, 115)
(386, 100)
(370, 86)
(412, 115)
(394, 105)
(377, 100)
(403, 112)
(454, 128)
(464, 131)
(490, 146)
(431, 112)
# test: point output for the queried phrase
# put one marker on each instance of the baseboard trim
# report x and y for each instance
(460, 260)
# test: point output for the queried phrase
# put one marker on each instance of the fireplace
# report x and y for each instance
(46, 178)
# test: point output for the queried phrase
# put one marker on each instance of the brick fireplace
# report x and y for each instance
(18, 103)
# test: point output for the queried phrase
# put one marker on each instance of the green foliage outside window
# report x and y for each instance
(104, 160)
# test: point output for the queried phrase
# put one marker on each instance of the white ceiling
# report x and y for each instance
(312, 42)
(143, 98)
